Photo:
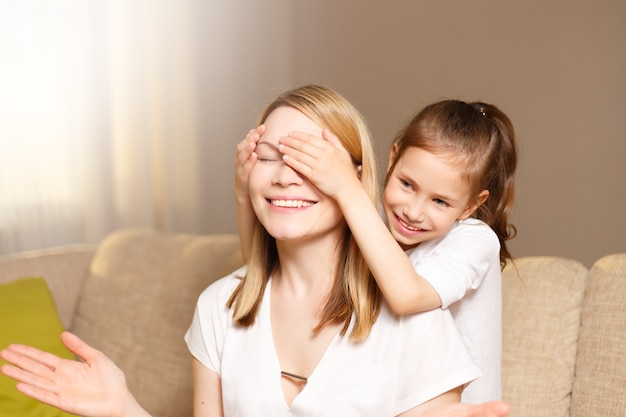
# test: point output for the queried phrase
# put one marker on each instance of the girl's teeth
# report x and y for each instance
(415, 229)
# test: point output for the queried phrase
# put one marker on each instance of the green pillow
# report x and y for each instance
(28, 316)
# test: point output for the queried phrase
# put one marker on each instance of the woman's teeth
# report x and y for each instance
(291, 203)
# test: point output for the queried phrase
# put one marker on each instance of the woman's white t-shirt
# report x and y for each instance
(404, 362)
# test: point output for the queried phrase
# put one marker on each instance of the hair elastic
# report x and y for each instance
(480, 107)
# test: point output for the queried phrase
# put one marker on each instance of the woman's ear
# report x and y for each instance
(473, 206)
(359, 169)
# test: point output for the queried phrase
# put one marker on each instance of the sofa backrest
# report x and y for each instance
(600, 383)
(542, 298)
(138, 301)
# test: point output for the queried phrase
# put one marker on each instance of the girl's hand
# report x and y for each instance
(323, 161)
(95, 387)
(245, 158)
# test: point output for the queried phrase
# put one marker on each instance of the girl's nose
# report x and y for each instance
(285, 175)
(414, 211)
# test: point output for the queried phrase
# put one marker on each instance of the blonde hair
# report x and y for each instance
(354, 290)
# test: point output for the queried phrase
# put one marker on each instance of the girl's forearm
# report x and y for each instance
(405, 290)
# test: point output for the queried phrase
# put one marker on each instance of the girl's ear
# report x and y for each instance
(392, 155)
(473, 206)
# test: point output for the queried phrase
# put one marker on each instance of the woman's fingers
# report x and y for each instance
(34, 370)
(31, 359)
(78, 347)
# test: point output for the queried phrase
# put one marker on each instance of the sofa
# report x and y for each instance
(133, 295)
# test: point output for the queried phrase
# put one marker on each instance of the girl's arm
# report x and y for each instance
(328, 166)
(95, 387)
(245, 158)
(207, 392)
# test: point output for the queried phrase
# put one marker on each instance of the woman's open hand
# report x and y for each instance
(95, 387)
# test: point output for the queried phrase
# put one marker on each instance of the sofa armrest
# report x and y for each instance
(63, 268)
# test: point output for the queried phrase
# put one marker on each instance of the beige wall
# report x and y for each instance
(557, 68)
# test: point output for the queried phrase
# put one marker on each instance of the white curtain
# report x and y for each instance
(98, 124)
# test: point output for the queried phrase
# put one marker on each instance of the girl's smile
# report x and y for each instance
(424, 197)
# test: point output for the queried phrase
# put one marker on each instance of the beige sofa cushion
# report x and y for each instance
(541, 315)
(138, 302)
(63, 268)
(601, 360)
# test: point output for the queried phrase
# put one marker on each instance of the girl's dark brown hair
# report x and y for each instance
(479, 139)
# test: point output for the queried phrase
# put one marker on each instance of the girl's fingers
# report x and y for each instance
(250, 161)
(334, 140)
(312, 145)
(292, 154)
(304, 142)
(245, 156)
(252, 138)
(297, 165)
(303, 147)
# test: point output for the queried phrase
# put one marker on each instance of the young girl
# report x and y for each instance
(448, 193)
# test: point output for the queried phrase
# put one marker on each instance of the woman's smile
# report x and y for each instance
(290, 203)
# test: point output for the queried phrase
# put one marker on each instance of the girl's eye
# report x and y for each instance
(405, 184)
(440, 202)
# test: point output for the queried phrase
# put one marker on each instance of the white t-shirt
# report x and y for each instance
(464, 268)
(404, 362)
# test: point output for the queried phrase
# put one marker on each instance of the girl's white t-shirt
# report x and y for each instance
(404, 362)
(464, 268)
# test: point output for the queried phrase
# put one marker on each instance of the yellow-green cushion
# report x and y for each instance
(28, 316)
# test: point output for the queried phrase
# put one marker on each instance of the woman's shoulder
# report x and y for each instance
(220, 290)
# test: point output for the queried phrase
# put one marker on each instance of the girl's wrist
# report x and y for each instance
(349, 194)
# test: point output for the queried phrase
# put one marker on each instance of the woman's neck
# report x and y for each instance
(307, 266)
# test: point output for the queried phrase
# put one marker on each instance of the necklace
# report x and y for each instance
(294, 376)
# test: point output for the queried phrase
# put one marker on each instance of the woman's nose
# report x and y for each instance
(285, 175)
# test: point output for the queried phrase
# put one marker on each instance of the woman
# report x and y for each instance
(302, 330)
